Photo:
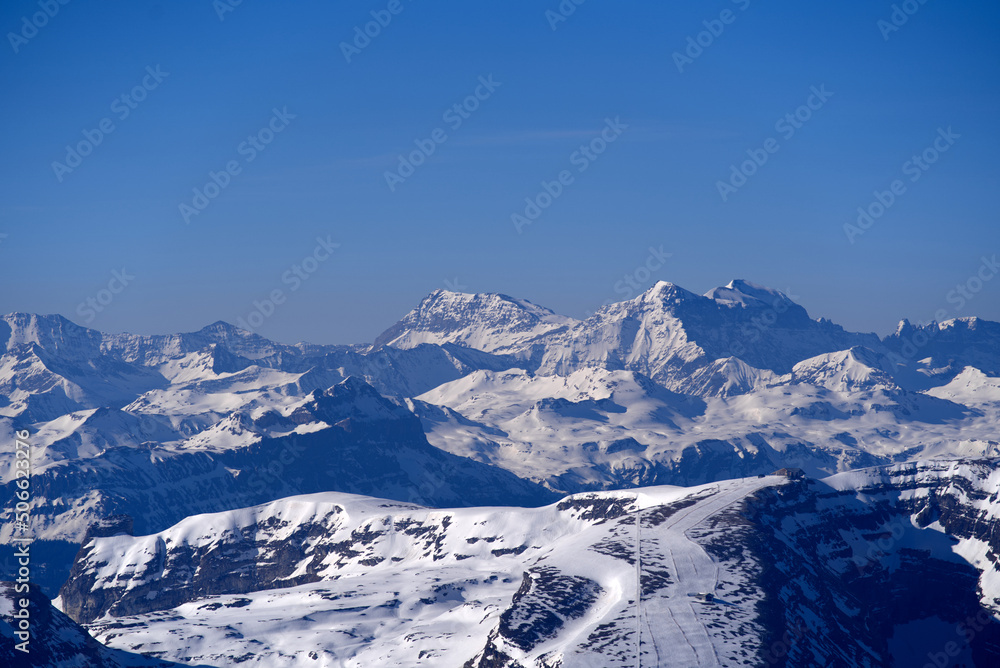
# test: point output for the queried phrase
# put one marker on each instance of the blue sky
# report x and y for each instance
(343, 126)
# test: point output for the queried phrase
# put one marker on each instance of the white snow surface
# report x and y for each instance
(487, 322)
(432, 584)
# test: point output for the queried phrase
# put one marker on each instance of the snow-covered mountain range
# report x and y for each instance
(859, 569)
(487, 406)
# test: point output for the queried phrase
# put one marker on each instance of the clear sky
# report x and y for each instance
(329, 121)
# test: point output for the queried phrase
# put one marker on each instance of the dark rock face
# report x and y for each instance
(537, 611)
(110, 526)
(862, 559)
(538, 608)
(598, 508)
(242, 562)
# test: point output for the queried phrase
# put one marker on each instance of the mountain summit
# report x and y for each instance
(493, 323)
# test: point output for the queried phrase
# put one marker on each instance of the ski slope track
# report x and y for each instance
(356, 581)
(696, 573)
(602, 579)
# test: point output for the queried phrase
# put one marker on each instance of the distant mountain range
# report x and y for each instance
(479, 401)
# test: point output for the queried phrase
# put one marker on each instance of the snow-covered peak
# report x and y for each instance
(666, 292)
(745, 293)
(969, 387)
(352, 399)
(903, 327)
(670, 334)
(853, 370)
(727, 377)
(50, 332)
(485, 321)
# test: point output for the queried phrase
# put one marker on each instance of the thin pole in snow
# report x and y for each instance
(638, 583)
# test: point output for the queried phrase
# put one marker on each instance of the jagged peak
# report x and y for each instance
(351, 385)
(486, 299)
(660, 293)
(666, 289)
(485, 321)
(51, 332)
(970, 321)
(221, 325)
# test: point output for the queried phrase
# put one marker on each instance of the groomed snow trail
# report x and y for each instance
(670, 632)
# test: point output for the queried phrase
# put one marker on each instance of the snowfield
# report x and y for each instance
(388, 584)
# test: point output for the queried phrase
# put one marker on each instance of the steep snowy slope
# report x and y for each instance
(971, 387)
(855, 370)
(37, 385)
(488, 322)
(727, 377)
(886, 566)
